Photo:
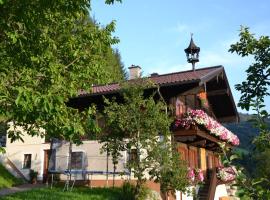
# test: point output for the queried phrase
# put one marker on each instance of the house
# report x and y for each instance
(202, 94)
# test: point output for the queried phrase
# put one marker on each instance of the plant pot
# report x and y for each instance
(34, 181)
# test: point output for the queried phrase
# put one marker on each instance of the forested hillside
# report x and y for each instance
(249, 158)
(244, 130)
(112, 62)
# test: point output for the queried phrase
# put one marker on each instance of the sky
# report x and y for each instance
(154, 33)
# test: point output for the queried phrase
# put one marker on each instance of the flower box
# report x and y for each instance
(226, 174)
(198, 118)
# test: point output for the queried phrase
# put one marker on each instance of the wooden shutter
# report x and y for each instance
(183, 151)
(193, 157)
(216, 161)
(209, 160)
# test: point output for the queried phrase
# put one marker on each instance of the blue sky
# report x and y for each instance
(153, 33)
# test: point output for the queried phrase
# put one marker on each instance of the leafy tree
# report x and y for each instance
(49, 50)
(120, 64)
(114, 144)
(140, 121)
(253, 91)
(170, 171)
(256, 87)
(114, 66)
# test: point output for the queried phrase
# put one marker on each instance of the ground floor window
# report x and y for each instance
(133, 155)
(77, 160)
(27, 161)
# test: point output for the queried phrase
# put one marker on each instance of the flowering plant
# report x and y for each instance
(202, 96)
(226, 173)
(199, 117)
(195, 176)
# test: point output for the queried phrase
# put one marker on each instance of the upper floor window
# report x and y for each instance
(180, 106)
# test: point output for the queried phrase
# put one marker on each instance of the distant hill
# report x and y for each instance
(246, 133)
(244, 130)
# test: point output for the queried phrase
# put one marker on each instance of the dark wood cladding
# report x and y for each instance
(212, 79)
(199, 138)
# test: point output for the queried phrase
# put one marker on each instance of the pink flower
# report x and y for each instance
(224, 136)
(200, 176)
(199, 117)
(191, 174)
(226, 174)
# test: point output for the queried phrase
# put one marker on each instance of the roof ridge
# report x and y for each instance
(199, 69)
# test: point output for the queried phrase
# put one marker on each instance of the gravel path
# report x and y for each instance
(20, 188)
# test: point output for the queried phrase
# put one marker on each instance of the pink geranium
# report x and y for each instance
(200, 175)
(191, 174)
(199, 117)
(195, 176)
(226, 174)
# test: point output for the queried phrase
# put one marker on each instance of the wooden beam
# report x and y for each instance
(207, 136)
(218, 92)
(193, 91)
(200, 133)
(201, 143)
(184, 132)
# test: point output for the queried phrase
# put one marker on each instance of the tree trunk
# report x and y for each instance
(107, 168)
(139, 172)
(69, 160)
(114, 169)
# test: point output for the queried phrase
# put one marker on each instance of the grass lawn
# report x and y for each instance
(79, 193)
(7, 179)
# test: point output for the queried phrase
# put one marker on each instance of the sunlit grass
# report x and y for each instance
(57, 193)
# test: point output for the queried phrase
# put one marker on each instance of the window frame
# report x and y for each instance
(27, 163)
(74, 166)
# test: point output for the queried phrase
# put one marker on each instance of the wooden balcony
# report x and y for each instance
(198, 137)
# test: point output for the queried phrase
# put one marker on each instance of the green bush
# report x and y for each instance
(127, 191)
(7, 179)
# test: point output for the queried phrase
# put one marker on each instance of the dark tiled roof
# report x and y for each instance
(164, 79)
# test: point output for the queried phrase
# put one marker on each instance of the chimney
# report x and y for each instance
(154, 74)
(134, 72)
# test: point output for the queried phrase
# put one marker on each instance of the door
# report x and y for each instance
(46, 165)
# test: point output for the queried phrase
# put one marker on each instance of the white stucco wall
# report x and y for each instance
(94, 160)
(221, 191)
(31, 145)
(185, 196)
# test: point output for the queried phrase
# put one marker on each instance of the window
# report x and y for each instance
(3, 133)
(77, 160)
(27, 161)
(3, 140)
(180, 106)
(133, 156)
